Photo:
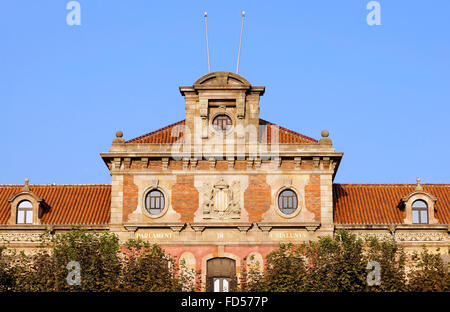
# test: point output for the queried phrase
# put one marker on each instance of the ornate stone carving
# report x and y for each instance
(20, 237)
(407, 236)
(380, 236)
(421, 236)
(221, 201)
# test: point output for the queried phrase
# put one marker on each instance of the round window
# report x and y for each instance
(154, 202)
(222, 123)
(287, 201)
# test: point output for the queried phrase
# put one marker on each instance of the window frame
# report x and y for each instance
(144, 202)
(419, 211)
(299, 202)
(25, 211)
(287, 201)
(408, 201)
(218, 131)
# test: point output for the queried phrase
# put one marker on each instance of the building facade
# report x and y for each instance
(224, 187)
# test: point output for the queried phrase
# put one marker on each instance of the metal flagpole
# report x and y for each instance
(240, 42)
(207, 45)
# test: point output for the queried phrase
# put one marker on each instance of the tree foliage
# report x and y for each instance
(339, 264)
(429, 273)
(104, 265)
(336, 264)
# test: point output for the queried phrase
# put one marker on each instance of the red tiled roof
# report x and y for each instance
(174, 133)
(284, 135)
(69, 204)
(379, 203)
(169, 134)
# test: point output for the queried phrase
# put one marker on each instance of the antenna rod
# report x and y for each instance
(240, 42)
(207, 45)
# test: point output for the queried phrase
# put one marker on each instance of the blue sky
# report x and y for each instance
(383, 91)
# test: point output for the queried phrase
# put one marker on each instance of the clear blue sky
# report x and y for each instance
(383, 92)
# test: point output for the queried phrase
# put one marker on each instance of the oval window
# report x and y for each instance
(154, 202)
(287, 201)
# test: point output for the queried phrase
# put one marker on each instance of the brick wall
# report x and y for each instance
(257, 197)
(185, 198)
(312, 196)
(130, 196)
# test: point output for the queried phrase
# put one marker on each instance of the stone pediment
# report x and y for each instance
(222, 80)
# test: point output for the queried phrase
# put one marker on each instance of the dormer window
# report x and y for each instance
(419, 212)
(419, 206)
(26, 207)
(25, 212)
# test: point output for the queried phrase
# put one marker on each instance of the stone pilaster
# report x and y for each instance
(116, 199)
(326, 204)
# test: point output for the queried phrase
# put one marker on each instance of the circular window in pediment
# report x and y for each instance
(222, 123)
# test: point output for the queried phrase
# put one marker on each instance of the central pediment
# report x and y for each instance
(222, 80)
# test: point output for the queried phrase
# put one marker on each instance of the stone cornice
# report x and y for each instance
(174, 226)
(206, 155)
(267, 226)
(200, 226)
(51, 227)
(394, 227)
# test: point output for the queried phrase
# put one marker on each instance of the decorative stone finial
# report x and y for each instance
(25, 187)
(419, 187)
(118, 139)
(325, 140)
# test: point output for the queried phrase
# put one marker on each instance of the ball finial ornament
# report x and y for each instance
(325, 133)
(118, 139)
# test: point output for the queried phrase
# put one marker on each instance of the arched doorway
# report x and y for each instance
(220, 275)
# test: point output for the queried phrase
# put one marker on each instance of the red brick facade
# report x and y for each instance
(312, 196)
(257, 197)
(130, 196)
(185, 197)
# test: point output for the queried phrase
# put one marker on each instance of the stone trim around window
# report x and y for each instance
(37, 203)
(166, 202)
(299, 202)
(419, 194)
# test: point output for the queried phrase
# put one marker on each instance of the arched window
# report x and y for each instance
(24, 212)
(154, 202)
(287, 201)
(419, 212)
(222, 123)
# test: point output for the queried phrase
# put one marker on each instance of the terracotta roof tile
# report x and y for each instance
(174, 133)
(379, 203)
(284, 135)
(69, 204)
(169, 134)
